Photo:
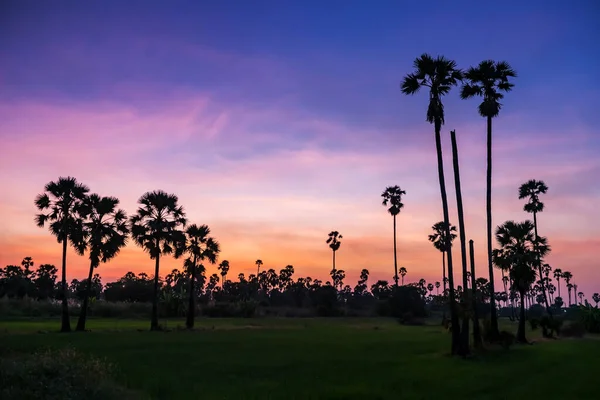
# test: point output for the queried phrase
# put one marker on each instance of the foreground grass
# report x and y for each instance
(316, 359)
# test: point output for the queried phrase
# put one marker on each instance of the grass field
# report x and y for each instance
(317, 359)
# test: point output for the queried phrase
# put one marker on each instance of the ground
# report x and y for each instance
(316, 359)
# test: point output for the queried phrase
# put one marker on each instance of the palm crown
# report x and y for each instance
(156, 225)
(102, 228)
(438, 237)
(334, 240)
(392, 195)
(60, 201)
(439, 75)
(199, 245)
(532, 190)
(517, 252)
(488, 79)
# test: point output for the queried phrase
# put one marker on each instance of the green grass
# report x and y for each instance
(317, 359)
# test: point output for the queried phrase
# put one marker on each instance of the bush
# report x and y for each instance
(590, 318)
(59, 375)
(406, 300)
(573, 329)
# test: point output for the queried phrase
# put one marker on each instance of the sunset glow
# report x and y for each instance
(275, 139)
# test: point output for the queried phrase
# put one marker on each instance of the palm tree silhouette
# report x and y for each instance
(476, 328)
(557, 275)
(518, 254)
(224, 268)
(488, 80)
(532, 190)
(392, 196)
(156, 228)
(102, 230)
(198, 246)
(567, 276)
(258, 263)
(580, 295)
(596, 298)
(438, 238)
(333, 240)
(58, 205)
(403, 273)
(437, 288)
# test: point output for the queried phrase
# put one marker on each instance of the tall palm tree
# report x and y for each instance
(258, 263)
(557, 275)
(518, 254)
(580, 295)
(198, 246)
(567, 276)
(438, 238)
(157, 228)
(463, 240)
(333, 240)
(532, 190)
(102, 230)
(224, 268)
(488, 80)
(58, 207)
(403, 273)
(392, 196)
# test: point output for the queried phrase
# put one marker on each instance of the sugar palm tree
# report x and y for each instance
(596, 298)
(531, 190)
(58, 208)
(157, 229)
(557, 275)
(438, 238)
(392, 196)
(567, 276)
(333, 240)
(518, 254)
(463, 240)
(102, 231)
(258, 263)
(403, 273)
(476, 328)
(580, 295)
(224, 268)
(488, 80)
(198, 246)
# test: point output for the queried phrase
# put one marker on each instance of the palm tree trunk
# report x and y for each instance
(83, 312)
(539, 262)
(65, 321)
(521, 330)
(493, 315)
(154, 321)
(455, 348)
(558, 284)
(444, 269)
(189, 323)
(476, 331)
(395, 255)
(463, 247)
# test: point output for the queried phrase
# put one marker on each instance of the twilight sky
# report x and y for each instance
(276, 122)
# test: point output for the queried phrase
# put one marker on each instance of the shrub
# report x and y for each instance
(59, 375)
(590, 318)
(573, 329)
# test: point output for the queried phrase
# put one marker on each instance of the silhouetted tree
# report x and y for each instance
(392, 196)
(224, 268)
(333, 240)
(463, 248)
(518, 254)
(102, 231)
(258, 263)
(403, 273)
(532, 190)
(198, 246)
(567, 276)
(58, 205)
(156, 227)
(476, 331)
(596, 298)
(438, 238)
(488, 80)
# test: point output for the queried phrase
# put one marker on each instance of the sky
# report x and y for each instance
(276, 122)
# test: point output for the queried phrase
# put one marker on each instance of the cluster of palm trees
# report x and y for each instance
(94, 224)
